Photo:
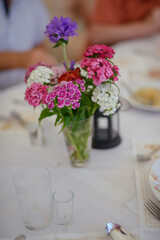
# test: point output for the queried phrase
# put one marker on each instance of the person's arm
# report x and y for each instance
(11, 59)
(110, 33)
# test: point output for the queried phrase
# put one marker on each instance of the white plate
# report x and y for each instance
(154, 178)
(135, 86)
(141, 106)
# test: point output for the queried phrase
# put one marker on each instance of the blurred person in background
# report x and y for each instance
(116, 20)
(22, 26)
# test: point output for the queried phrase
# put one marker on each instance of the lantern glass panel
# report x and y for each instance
(106, 130)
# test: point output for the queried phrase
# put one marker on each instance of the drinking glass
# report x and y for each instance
(34, 194)
(63, 207)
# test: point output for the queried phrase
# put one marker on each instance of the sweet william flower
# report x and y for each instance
(36, 94)
(65, 94)
(30, 69)
(70, 75)
(101, 51)
(107, 97)
(41, 75)
(61, 28)
(98, 69)
(115, 69)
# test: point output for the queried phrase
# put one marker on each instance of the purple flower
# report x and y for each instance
(72, 63)
(61, 29)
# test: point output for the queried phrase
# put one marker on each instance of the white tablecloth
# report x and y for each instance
(105, 190)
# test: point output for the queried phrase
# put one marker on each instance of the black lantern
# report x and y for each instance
(105, 130)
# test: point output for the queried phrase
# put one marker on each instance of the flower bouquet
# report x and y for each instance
(74, 93)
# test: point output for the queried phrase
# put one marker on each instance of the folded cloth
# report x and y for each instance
(73, 236)
(144, 192)
(69, 236)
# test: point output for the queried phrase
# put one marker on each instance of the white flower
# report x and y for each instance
(106, 95)
(41, 74)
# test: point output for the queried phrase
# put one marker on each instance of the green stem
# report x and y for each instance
(65, 55)
(110, 61)
(73, 144)
(80, 144)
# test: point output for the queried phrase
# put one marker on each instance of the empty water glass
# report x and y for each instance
(34, 194)
(63, 207)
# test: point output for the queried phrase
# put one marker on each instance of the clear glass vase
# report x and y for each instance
(78, 139)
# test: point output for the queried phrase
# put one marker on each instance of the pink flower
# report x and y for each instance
(98, 69)
(71, 92)
(51, 105)
(36, 94)
(101, 51)
(62, 94)
(68, 102)
(67, 94)
(49, 99)
(53, 94)
(115, 69)
(85, 62)
(76, 105)
(115, 78)
(61, 102)
(81, 82)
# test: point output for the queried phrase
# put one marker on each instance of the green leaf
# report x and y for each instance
(45, 113)
(64, 41)
(57, 44)
(64, 125)
(57, 122)
(67, 120)
(60, 42)
(64, 110)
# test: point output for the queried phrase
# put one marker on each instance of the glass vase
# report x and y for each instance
(78, 139)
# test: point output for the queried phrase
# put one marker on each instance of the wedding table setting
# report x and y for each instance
(114, 185)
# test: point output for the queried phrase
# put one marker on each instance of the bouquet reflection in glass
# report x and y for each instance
(74, 93)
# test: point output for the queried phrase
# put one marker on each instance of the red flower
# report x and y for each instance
(70, 75)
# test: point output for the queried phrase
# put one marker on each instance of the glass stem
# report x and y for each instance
(65, 56)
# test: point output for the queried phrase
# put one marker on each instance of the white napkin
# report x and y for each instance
(73, 236)
(69, 236)
(142, 169)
